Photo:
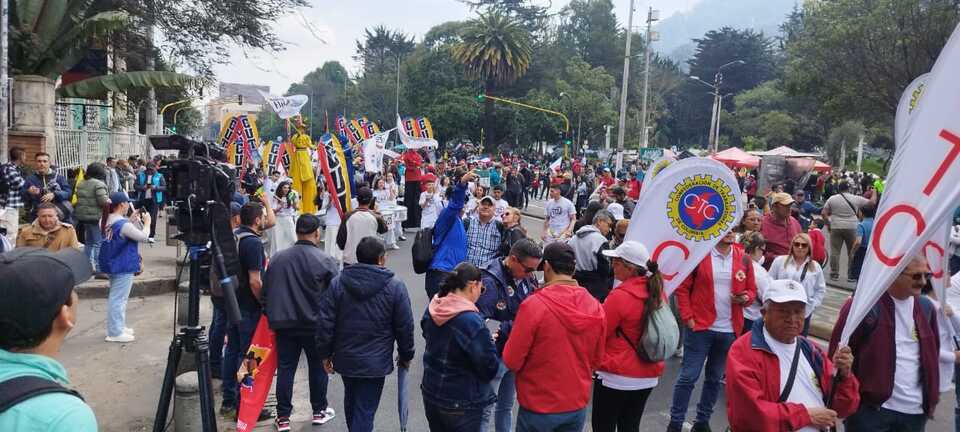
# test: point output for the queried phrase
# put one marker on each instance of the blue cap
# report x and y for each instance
(235, 208)
(119, 197)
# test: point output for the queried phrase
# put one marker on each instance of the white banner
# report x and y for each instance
(654, 169)
(391, 154)
(373, 149)
(909, 102)
(285, 106)
(917, 205)
(701, 199)
(555, 166)
(412, 142)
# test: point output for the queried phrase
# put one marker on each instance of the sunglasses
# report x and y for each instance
(801, 245)
(918, 277)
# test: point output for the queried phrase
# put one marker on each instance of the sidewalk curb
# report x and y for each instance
(141, 287)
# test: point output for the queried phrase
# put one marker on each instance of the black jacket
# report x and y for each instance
(293, 283)
(365, 310)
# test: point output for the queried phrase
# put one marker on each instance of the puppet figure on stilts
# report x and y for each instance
(301, 167)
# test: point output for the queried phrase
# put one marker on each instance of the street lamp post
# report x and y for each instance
(713, 135)
(623, 91)
(652, 15)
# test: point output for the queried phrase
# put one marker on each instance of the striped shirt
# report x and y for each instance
(483, 241)
(10, 174)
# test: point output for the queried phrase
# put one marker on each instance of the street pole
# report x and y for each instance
(623, 91)
(4, 93)
(646, 78)
(713, 119)
(606, 145)
(860, 154)
(716, 134)
(398, 86)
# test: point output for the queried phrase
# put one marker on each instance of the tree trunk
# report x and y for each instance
(489, 132)
(34, 109)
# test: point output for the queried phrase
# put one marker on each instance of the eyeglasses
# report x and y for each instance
(800, 245)
(918, 277)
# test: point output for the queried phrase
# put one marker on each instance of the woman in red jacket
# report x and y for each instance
(625, 380)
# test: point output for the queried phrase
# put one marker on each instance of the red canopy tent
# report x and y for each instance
(736, 158)
(821, 167)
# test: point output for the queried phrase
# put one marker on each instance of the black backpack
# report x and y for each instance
(422, 250)
(19, 389)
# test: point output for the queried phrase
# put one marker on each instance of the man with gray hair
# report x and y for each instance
(778, 379)
(593, 269)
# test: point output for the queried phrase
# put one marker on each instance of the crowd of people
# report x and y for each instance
(572, 308)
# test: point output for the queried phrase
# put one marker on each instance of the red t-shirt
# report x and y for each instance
(412, 161)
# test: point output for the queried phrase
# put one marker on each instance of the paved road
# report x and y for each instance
(121, 382)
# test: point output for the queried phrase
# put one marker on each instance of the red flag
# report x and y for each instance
(256, 375)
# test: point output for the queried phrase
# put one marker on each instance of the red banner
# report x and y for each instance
(256, 375)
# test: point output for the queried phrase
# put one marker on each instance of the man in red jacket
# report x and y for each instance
(779, 227)
(556, 344)
(411, 189)
(711, 302)
(759, 398)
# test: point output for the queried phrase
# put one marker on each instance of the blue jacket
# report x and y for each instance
(500, 300)
(159, 185)
(118, 254)
(458, 362)
(360, 316)
(449, 237)
(52, 182)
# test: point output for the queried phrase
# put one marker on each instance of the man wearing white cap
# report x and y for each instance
(779, 380)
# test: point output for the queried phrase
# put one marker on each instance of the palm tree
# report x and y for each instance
(496, 49)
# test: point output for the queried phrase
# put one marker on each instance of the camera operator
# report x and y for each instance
(252, 264)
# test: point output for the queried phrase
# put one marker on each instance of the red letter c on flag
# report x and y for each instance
(663, 246)
(882, 223)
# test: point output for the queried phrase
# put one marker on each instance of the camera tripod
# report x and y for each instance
(192, 339)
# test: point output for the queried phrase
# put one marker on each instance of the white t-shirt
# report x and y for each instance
(722, 283)
(907, 396)
(361, 224)
(625, 383)
(762, 278)
(813, 281)
(499, 207)
(431, 211)
(470, 208)
(806, 388)
(559, 213)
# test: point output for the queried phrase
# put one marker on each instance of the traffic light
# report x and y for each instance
(567, 140)
(481, 97)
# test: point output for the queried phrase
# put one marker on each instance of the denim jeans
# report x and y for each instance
(92, 237)
(238, 340)
(361, 397)
(290, 343)
(573, 421)
(218, 329)
(505, 387)
(698, 347)
(441, 419)
(120, 284)
(873, 419)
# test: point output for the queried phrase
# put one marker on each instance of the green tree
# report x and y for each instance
(716, 49)
(592, 26)
(496, 50)
(380, 49)
(856, 56)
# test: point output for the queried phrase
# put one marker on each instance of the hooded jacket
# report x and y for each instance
(459, 359)
(624, 309)
(593, 269)
(294, 283)
(753, 385)
(91, 197)
(365, 310)
(556, 344)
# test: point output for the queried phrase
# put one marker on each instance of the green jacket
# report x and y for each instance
(50, 412)
(91, 194)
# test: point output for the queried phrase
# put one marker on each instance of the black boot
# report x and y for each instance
(700, 427)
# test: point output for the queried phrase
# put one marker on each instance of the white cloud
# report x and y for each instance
(340, 23)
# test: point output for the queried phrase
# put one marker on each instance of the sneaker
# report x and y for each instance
(228, 412)
(324, 416)
(283, 424)
(395, 247)
(265, 414)
(151, 240)
(851, 280)
(701, 427)
(679, 352)
(402, 238)
(834, 277)
(123, 338)
(129, 331)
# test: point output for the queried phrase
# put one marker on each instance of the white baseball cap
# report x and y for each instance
(616, 209)
(785, 291)
(633, 252)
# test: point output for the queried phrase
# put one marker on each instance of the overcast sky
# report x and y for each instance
(329, 31)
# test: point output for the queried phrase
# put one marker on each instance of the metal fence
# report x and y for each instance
(79, 147)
